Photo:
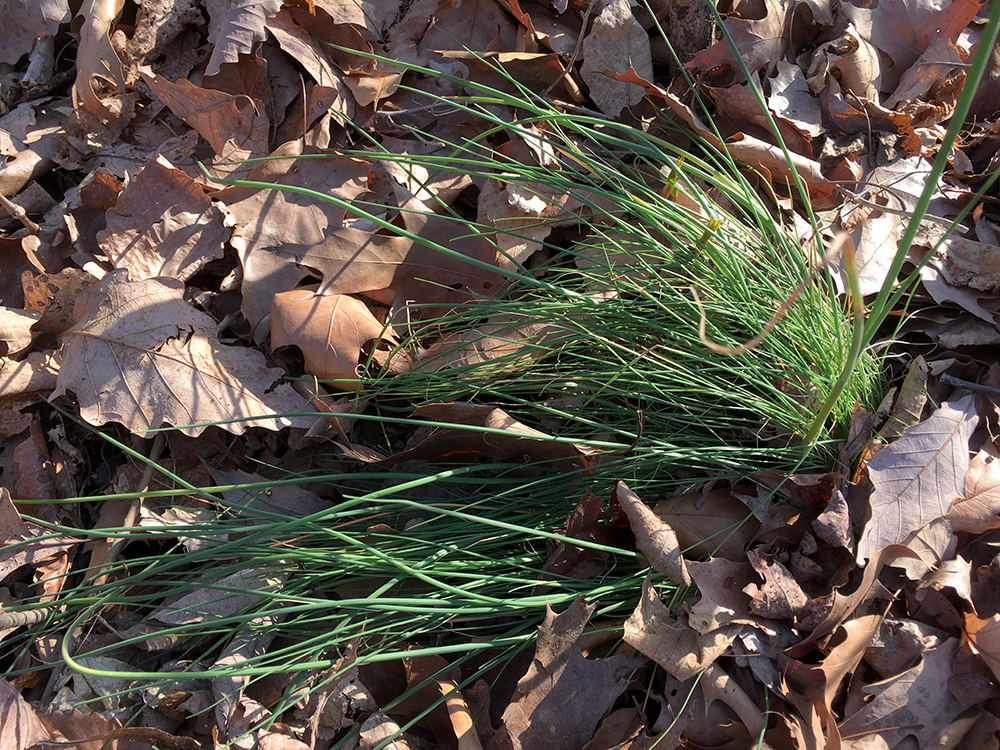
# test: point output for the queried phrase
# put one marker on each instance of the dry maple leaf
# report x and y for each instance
(143, 357)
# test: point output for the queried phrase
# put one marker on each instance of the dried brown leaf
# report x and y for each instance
(96, 57)
(672, 642)
(917, 478)
(616, 44)
(143, 357)
(163, 225)
(979, 510)
(914, 704)
(563, 695)
(235, 26)
(516, 442)
(15, 329)
(713, 524)
(329, 329)
(653, 537)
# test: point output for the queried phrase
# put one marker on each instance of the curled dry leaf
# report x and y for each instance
(143, 357)
(96, 57)
(653, 537)
(671, 642)
(15, 329)
(979, 510)
(235, 27)
(329, 329)
(916, 479)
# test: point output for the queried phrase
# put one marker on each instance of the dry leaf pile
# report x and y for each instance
(855, 609)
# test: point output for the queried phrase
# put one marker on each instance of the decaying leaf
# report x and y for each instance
(143, 357)
(15, 329)
(653, 537)
(563, 695)
(162, 225)
(670, 641)
(618, 44)
(917, 478)
(912, 704)
(979, 510)
(473, 430)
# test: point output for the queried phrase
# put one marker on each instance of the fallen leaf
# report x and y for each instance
(617, 44)
(780, 597)
(21, 540)
(330, 331)
(917, 478)
(143, 357)
(984, 634)
(979, 510)
(15, 329)
(475, 430)
(20, 725)
(653, 537)
(563, 695)
(235, 26)
(96, 57)
(914, 704)
(670, 641)
(162, 225)
(715, 524)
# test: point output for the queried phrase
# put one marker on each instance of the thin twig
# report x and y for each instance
(101, 576)
(897, 211)
(576, 50)
(969, 385)
(18, 213)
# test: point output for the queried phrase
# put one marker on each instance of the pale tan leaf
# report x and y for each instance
(672, 642)
(265, 220)
(20, 725)
(917, 478)
(96, 57)
(25, 22)
(143, 357)
(15, 329)
(911, 704)
(653, 537)
(163, 225)
(979, 510)
(235, 26)
(712, 524)
(616, 44)
(985, 636)
(329, 330)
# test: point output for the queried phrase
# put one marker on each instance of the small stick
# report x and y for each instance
(18, 213)
(969, 385)
(576, 50)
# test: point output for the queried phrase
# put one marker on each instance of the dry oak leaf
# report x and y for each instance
(672, 642)
(15, 329)
(234, 27)
(163, 225)
(979, 510)
(143, 357)
(916, 479)
(616, 43)
(916, 703)
(562, 695)
(329, 329)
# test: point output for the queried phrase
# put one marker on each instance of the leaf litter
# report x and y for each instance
(141, 293)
